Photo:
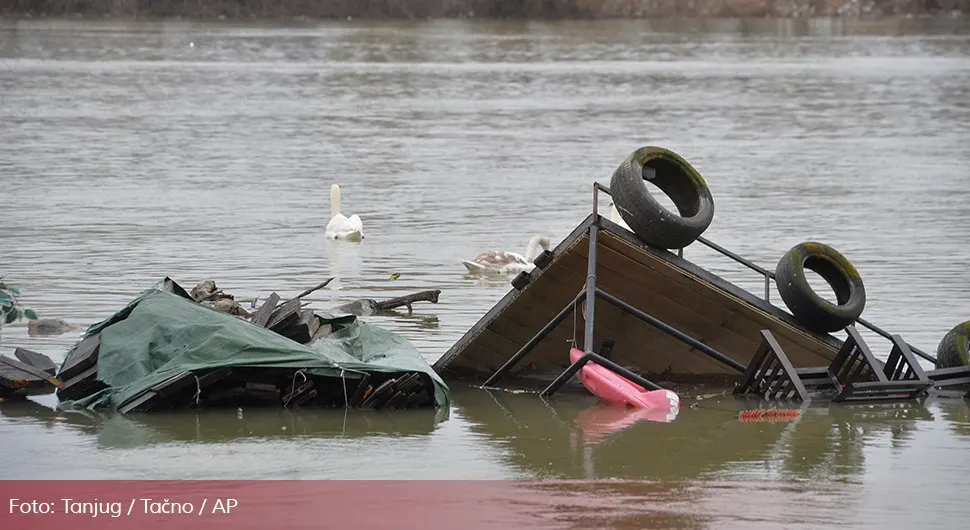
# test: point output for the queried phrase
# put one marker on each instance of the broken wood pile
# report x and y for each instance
(31, 375)
(233, 386)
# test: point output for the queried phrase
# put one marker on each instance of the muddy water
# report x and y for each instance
(129, 152)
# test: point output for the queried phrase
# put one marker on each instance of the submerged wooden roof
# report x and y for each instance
(658, 282)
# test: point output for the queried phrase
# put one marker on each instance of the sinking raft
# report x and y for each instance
(649, 314)
(711, 310)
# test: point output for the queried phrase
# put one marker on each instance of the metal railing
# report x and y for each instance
(768, 275)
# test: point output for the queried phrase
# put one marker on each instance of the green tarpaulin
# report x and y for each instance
(160, 335)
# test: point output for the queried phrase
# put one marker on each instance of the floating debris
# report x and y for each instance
(367, 307)
(50, 326)
(769, 415)
(171, 349)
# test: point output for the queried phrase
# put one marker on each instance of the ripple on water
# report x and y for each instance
(129, 156)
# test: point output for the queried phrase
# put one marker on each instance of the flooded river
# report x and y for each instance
(131, 152)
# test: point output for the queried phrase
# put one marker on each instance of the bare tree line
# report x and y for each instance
(526, 9)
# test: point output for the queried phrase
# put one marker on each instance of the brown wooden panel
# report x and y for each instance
(695, 305)
(798, 339)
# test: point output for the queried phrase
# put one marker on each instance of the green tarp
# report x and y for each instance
(160, 334)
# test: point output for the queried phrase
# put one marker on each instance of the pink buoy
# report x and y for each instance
(618, 390)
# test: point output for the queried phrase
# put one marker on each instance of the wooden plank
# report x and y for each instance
(358, 395)
(634, 335)
(303, 398)
(81, 385)
(285, 315)
(174, 385)
(37, 360)
(35, 373)
(81, 358)
(298, 391)
(169, 285)
(143, 403)
(718, 291)
(654, 295)
(397, 400)
(15, 382)
(881, 391)
(713, 328)
(698, 305)
(469, 336)
(262, 315)
(304, 329)
(737, 315)
(380, 395)
(410, 383)
(521, 324)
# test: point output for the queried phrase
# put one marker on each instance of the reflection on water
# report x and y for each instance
(126, 155)
(699, 467)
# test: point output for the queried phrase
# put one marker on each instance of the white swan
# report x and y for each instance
(503, 262)
(615, 217)
(341, 227)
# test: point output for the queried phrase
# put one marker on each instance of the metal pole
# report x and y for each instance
(576, 366)
(735, 257)
(543, 333)
(885, 334)
(591, 286)
(767, 287)
(670, 330)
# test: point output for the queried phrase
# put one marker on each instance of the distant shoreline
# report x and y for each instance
(538, 10)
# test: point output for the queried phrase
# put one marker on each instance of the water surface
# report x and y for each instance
(134, 151)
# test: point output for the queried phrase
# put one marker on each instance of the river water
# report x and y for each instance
(134, 151)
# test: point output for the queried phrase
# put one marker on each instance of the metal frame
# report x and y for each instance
(854, 374)
(588, 296)
(591, 291)
(768, 275)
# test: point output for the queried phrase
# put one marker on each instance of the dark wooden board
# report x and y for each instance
(303, 330)
(359, 392)
(142, 403)
(81, 358)
(380, 394)
(81, 385)
(37, 360)
(37, 378)
(262, 315)
(285, 315)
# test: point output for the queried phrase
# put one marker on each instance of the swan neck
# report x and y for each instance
(334, 201)
(532, 251)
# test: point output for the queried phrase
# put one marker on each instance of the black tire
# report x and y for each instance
(649, 220)
(954, 349)
(815, 312)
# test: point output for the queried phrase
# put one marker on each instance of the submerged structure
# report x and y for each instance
(168, 350)
(648, 314)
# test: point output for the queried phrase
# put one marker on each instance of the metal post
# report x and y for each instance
(589, 356)
(767, 287)
(543, 333)
(591, 286)
(670, 330)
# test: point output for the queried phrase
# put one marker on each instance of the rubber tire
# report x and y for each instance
(954, 349)
(815, 312)
(649, 220)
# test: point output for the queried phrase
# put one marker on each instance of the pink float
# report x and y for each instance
(618, 390)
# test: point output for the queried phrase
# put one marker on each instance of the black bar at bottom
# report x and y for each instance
(716, 355)
(543, 333)
(606, 363)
